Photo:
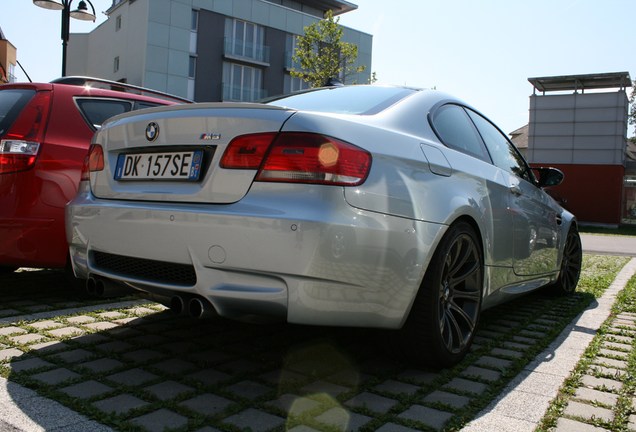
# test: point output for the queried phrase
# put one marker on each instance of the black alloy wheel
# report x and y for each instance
(446, 310)
(571, 263)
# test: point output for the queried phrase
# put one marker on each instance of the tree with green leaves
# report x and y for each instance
(632, 106)
(322, 55)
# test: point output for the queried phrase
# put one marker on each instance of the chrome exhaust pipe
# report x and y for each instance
(200, 308)
(177, 305)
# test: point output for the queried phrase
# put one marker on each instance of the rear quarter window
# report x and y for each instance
(11, 104)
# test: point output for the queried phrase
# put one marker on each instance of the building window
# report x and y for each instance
(192, 67)
(292, 84)
(116, 64)
(242, 83)
(194, 24)
(245, 39)
(118, 23)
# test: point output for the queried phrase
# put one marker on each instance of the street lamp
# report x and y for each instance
(81, 13)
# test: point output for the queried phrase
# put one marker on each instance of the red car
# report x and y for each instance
(45, 132)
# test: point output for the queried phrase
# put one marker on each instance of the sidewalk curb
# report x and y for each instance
(523, 403)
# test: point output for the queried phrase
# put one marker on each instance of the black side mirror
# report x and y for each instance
(549, 176)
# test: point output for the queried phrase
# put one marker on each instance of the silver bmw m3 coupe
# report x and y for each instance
(374, 206)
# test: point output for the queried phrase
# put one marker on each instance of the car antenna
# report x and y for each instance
(27, 75)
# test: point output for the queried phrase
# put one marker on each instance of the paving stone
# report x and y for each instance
(119, 404)
(618, 364)
(140, 311)
(349, 378)
(255, 420)
(48, 347)
(516, 345)
(86, 389)
(373, 402)
(431, 417)
(74, 356)
(397, 387)
(494, 362)
(208, 357)
(608, 372)
(55, 376)
(132, 377)
(207, 404)
(125, 321)
(532, 334)
(524, 340)
(617, 346)
(248, 389)
(208, 377)
(613, 353)
(464, 385)
(281, 377)
(592, 395)
(160, 420)
(166, 390)
(319, 387)
(27, 339)
(590, 381)
(501, 352)
(240, 366)
(116, 346)
(65, 332)
(9, 353)
(342, 419)
(302, 428)
(450, 399)
(46, 325)
(9, 312)
(586, 411)
(631, 425)
(29, 364)
(174, 366)
(295, 405)
(111, 315)
(102, 365)
(90, 339)
(81, 319)
(621, 339)
(481, 373)
(149, 340)
(418, 376)
(101, 326)
(568, 425)
(142, 356)
(11, 330)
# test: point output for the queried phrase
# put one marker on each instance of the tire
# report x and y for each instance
(571, 264)
(445, 313)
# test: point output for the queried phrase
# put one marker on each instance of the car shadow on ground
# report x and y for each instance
(139, 367)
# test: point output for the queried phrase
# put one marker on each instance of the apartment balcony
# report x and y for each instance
(238, 49)
(242, 94)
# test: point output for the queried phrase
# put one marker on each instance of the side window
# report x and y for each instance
(142, 105)
(454, 128)
(502, 151)
(97, 111)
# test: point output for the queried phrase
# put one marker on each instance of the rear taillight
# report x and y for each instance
(94, 161)
(19, 147)
(298, 157)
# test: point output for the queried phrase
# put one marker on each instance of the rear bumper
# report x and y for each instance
(309, 257)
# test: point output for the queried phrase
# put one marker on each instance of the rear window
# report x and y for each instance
(364, 100)
(97, 111)
(11, 103)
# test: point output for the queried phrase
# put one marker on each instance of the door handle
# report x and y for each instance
(515, 190)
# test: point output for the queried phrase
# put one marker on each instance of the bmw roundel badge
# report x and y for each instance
(152, 131)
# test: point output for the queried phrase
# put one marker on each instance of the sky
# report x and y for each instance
(482, 51)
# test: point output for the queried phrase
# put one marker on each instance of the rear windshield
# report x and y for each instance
(11, 103)
(361, 99)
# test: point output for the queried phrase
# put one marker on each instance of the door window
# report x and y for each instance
(454, 128)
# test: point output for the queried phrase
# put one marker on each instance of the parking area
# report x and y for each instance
(127, 364)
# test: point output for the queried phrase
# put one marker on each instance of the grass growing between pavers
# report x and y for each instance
(143, 369)
(611, 358)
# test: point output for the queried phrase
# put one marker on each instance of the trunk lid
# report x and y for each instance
(172, 154)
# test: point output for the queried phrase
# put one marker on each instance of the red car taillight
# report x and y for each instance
(298, 157)
(94, 161)
(19, 147)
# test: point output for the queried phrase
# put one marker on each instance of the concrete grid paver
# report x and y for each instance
(311, 379)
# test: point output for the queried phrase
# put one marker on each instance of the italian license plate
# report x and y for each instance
(185, 165)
